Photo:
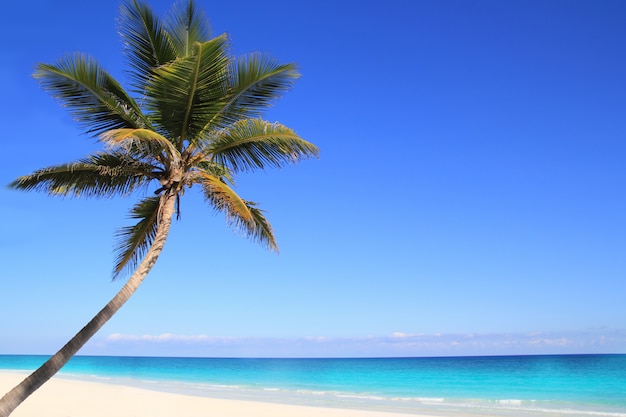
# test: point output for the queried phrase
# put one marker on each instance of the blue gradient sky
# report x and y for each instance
(469, 198)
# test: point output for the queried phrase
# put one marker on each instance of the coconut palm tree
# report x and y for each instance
(195, 121)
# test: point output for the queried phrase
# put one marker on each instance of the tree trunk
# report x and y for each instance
(17, 395)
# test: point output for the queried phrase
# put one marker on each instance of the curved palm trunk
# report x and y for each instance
(17, 395)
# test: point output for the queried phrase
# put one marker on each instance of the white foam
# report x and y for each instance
(510, 402)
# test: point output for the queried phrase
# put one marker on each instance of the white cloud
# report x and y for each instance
(395, 344)
(165, 337)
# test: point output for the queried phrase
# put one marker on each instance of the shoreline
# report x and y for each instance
(69, 397)
(106, 388)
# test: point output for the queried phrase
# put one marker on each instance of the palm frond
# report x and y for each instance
(93, 96)
(98, 175)
(223, 198)
(214, 169)
(187, 25)
(261, 231)
(243, 215)
(187, 92)
(141, 143)
(147, 44)
(254, 143)
(134, 241)
(256, 81)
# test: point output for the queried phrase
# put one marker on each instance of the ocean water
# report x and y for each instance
(551, 386)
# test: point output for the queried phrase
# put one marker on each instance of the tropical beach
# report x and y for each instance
(451, 241)
(71, 398)
(554, 385)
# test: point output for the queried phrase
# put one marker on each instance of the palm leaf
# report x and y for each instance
(141, 143)
(223, 198)
(134, 241)
(99, 175)
(91, 94)
(241, 214)
(212, 168)
(146, 42)
(186, 93)
(262, 229)
(254, 143)
(187, 25)
(256, 80)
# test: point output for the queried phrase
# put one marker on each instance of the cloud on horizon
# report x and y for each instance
(396, 344)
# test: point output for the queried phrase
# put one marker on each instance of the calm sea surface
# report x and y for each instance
(560, 385)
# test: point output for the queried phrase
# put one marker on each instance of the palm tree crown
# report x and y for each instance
(196, 120)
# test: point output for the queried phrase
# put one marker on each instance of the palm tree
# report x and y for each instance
(196, 121)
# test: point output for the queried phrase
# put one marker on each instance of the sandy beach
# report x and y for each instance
(61, 397)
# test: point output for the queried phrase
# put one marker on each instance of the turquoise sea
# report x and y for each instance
(555, 385)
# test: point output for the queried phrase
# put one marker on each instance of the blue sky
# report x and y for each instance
(469, 197)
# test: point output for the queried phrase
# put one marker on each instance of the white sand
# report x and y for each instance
(61, 397)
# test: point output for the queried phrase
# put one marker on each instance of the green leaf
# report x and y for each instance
(187, 25)
(214, 169)
(91, 94)
(256, 81)
(99, 175)
(254, 143)
(147, 44)
(134, 241)
(185, 94)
